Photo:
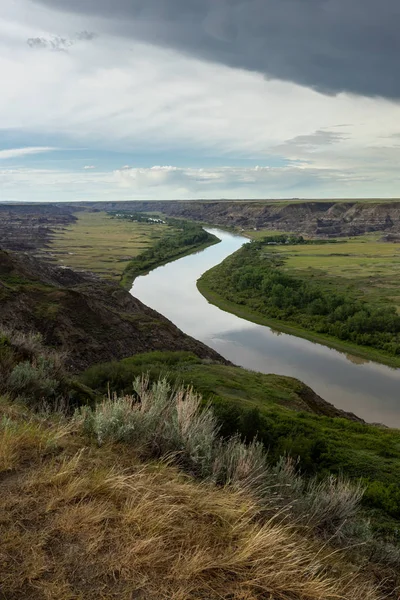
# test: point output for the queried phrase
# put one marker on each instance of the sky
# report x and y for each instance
(192, 99)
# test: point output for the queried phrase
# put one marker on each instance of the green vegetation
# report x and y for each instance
(102, 244)
(279, 412)
(265, 282)
(137, 217)
(367, 266)
(290, 239)
(121, 245)
(188, 238)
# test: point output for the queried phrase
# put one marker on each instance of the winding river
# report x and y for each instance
(368, 389)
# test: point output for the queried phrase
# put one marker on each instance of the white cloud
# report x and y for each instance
(174, 183)
(20, 152)
(88, 167)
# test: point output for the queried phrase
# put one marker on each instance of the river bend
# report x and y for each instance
(368, 389)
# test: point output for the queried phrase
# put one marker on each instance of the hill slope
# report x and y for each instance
(89, 319)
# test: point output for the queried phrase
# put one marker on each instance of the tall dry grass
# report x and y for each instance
(79, 521)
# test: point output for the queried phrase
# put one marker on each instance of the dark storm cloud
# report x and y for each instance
(329, 45)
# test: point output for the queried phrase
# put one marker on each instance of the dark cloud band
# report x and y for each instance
(329, 45)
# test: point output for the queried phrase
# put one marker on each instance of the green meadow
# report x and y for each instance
(364, 265)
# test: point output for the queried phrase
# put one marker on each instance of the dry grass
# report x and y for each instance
(94, 522)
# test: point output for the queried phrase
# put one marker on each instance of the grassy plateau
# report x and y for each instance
(103, 245)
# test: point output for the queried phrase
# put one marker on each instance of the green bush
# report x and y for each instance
(385, 497)
(34, 383)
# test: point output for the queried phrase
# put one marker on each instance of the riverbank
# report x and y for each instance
(365, 353)
(368, 390)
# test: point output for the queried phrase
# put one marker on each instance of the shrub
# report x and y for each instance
(386, 497)
(331, 503)
(33, 382)
(242, 466)
(35, 373)
(159, 421)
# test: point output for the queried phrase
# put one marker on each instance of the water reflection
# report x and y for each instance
(275, 331)
(368, 389)
(357, 360)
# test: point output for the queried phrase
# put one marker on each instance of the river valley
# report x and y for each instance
(368, 389)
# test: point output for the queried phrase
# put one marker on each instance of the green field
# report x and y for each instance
(103, 245)
(364, 265)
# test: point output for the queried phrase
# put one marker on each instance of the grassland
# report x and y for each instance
(103, 245)
(364, 265)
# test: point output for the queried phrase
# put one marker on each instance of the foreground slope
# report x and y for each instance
(83, 521)
(286, 416)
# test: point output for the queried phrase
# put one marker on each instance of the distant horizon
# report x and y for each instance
(259, 200)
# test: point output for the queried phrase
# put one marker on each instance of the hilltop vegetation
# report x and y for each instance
(140, 497)
(285, 415)
(263, 279)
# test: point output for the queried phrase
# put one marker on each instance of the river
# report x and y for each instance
(368, 389)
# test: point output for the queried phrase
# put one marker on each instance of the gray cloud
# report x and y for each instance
(328, 45)
(58, 43)
(85, 36)
(321, 137)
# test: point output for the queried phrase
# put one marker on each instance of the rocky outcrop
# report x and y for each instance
(28, 227)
